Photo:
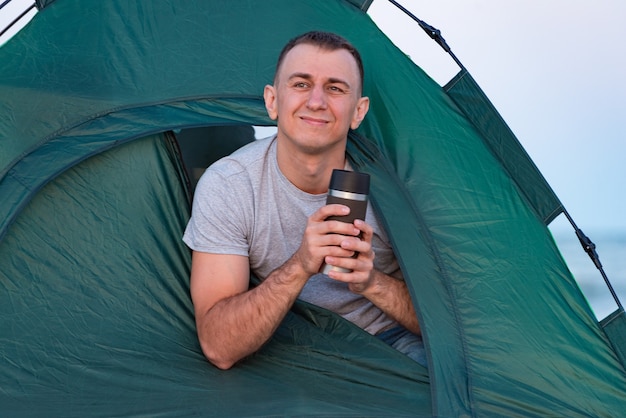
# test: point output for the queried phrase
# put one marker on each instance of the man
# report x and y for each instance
(263, 209)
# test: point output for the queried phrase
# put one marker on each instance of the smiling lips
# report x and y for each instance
(313, 120)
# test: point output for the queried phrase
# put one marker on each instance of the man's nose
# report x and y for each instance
(317, 98)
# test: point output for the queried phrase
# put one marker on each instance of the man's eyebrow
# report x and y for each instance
(308, 76)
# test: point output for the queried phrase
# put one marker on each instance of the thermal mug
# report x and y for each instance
(349, 188)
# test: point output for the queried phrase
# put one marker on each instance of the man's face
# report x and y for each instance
(316, 98)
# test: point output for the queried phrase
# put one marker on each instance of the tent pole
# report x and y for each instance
(590, 249)
(433, 32)
(32, 6)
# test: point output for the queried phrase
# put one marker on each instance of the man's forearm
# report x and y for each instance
(392, 297)
(238, 326)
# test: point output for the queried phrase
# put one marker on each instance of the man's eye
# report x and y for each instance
(335, 89)
(300, 85)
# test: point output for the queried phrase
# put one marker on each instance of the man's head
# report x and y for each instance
(316, 96)
(323, 40)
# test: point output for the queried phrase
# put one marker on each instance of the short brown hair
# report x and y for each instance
(324, 40)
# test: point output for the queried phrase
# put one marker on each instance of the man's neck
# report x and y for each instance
(309, 172)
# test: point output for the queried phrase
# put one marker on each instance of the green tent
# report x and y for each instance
(100, 102)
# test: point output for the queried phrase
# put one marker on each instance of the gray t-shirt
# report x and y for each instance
(244, 205)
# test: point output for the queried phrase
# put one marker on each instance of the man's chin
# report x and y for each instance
(314, 146)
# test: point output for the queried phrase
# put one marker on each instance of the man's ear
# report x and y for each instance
(269, 95)
(362, 107)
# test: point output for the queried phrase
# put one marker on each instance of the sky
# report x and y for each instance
(555, 72)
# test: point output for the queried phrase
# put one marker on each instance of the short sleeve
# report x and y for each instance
(221, 213)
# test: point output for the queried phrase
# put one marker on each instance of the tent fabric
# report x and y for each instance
(96, 314)
(362, 4)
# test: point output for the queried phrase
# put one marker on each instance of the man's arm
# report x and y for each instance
(232, 321)
(392, 297)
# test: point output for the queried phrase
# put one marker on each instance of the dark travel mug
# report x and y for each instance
(351, 189)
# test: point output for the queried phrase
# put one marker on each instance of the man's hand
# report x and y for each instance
(323, 239)
(361, 266)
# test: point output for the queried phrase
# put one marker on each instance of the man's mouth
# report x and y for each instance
(313, 121)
